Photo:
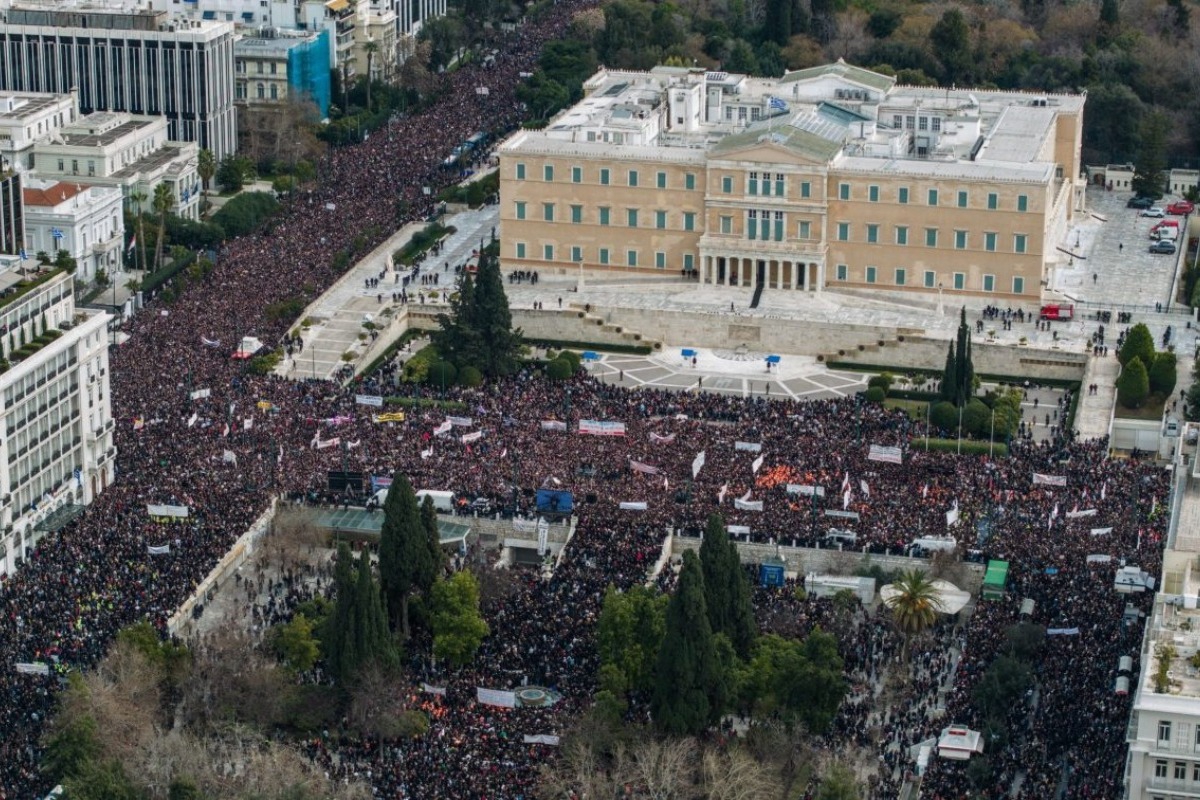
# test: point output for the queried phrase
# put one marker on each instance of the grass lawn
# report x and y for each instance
(1152, 409)
(915, 409)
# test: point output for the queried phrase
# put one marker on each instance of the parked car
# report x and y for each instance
(1182, 207)
(1140, 202)
(1153, 211)
(1163, 247)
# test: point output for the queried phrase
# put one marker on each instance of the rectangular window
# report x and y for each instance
(933, 197)
(727, 184)
(909, 121)
(901, 235)
(604, 255)
(902, 195)
(631, 258)
(604, 176)
(689, 181)
(872, 234)
(843, 231)
(1179, 771)
(520, 210)
(935, 124)
(780, 186)
(726, 224)
(897, 121)
(779, 226)
(660, 260)
(689, 263)
(962, 199)
(922, 123)
(1160, 768)
(752, 224)
(931, 237)
(1019, 243)
(805, 190)
(930, 279)
(660, 220)
(548, 252)
(843, 191)
(576, 214)
(605, 213)
(660, 180)
(804, 230)
(766, 184)
(871, 274)
(548, 212)
(960, 240)
(989, 283)
(633, 177)
(520, 171)
(1018, 286)
(843, 272)
(993, 201)
(631, 217)
(689, 220)
(548, 173)
(900, 276)
(1022, 202)
(576, 174)
(577, 254)
(960, 280)
(520, 250)
(873, 194)
(752, 184)
(989, 242)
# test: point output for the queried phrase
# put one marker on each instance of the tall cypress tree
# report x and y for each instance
(437, 556)
(690, 690)
(369, 626)
(338, 636)
(493, 321)
(726, 588)
(950, 375)
(404, 556)
(958, 376)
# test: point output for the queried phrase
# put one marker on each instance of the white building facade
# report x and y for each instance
(139, 61)
(57, 451)
(26, 117)
(85, 221)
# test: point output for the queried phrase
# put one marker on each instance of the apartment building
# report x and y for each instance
(830, 177)
(375, 37)
(85, 221)
(134, 153)
(274, 65)
(120, 59)
(57, 451)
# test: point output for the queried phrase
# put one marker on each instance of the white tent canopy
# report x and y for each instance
(952, 599)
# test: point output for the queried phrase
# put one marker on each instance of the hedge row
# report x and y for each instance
(425, 402)
(562, 344)
(969, 447)
(151, 284)
(1014, 380)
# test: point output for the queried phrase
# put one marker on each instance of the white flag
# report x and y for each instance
(846, 482)
(721, 494)
(247, 423)
(866, 490)
(229, 457)
(925, 492)
(427, 453)
(192, 420)
(1103, 489)
(758, 462)
(846, 500)
(697, 464)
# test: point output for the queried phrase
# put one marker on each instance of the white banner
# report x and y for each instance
(744, 503)
(443, 428)
(369, 400)
(334, 442)
(247, 423)
(1088, 512)
(543, 534)
(1062, 632)
(892, 455)
(525, 525)
(229, 457)
(467, 438)
(1101, 531)
(833, 512)
(460, 422)
(739, 530)
(158, 550)
(1049, 480)
(166, 511)
(594, 427)
(430, 689)
(658, 438)
(750, 447)
(805, 489)
(553, 425)
(200, 394)
(1099, 558)
(638, 466)
(952, 517)
(640, 506)
(540, 738)
(698, 463)
(33, 668)
(756, 465)
(496, 697)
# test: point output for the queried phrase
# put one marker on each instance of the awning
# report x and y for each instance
(209, 15)
(248, 16)
(337, 5)
(59, 518)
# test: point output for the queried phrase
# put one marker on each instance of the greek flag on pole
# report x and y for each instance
(776, 104)
(56, 233)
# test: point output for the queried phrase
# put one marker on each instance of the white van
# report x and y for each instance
(443, 501)
(1166, 233)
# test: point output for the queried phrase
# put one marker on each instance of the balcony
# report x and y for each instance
(1177, 788)
(788, 249)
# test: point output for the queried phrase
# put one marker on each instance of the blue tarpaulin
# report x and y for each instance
(772, 359)
(688, 353)
(591, 355)
(556, 501)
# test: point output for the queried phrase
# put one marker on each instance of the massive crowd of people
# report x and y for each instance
(82, 585)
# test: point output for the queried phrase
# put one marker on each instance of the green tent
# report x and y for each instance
(994, 580)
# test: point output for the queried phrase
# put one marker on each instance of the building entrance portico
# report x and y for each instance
(774, 273)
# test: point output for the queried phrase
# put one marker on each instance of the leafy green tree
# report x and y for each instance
(690, 691)
(372, 640)
(944, 416)
(777, 26)
(977, 417)
(184, 788)
(1002, 686)
(1133, 386)
(629, 633)
(543, 95)
(102, 781)
(458, 626)
(433, 540)
(295, 643)
(1109, 13)
(950, 377)
(232, 173)
(726, 588)
(801, 683)
(405, 560)
(1024, 640)
(245, 213)
(1150, 166)
(1111, 122)
(839, 784)
(951, 41)
(915, 605)
(1163, 374)
(1139, 343)
(71, 746)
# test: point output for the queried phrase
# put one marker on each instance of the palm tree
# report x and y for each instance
(206, 167)
(370, 48)
(139, 196)
(915, 605)
(163, 200)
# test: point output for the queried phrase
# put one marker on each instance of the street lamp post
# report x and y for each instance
(941, 310)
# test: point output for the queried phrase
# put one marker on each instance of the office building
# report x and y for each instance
(137, 61)
(830, 177)
(26, 117)
(128, 151)
(275, 65)
(57, 451)
(83, 220)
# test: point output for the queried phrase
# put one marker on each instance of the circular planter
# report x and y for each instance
(821, 359)
(841, 352)
(899, 338)
(862, 347)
